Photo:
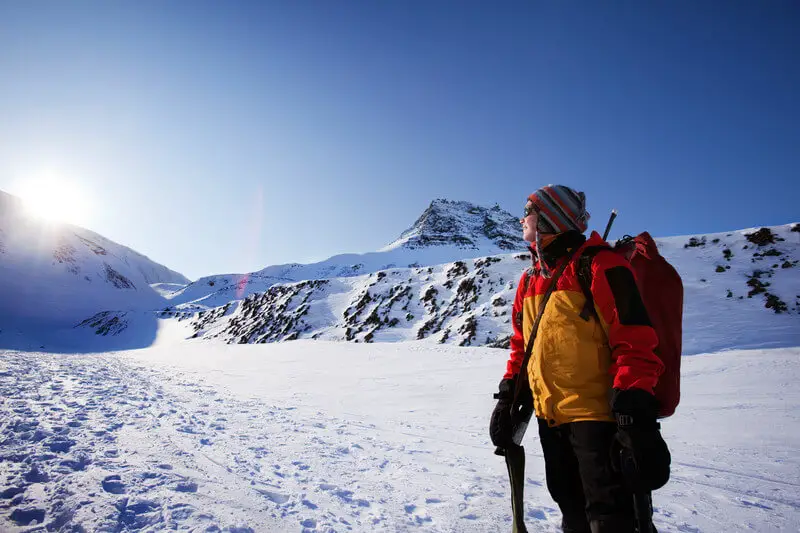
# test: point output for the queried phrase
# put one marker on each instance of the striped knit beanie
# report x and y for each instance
(559, 209)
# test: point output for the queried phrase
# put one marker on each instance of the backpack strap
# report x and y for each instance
(525, 280)
(585, 278)
(534, 330)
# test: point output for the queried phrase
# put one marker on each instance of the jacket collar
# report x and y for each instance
(564, 244)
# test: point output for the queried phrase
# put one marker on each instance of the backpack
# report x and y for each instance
(661, 289)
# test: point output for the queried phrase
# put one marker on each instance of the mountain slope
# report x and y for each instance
(60, 273)
(742, 289)
(447, 231)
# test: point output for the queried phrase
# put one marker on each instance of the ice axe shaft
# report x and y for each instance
(610, 222)
(515, 462)
(642, 512)
(642, 504)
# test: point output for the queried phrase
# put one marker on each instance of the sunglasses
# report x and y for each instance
(529, 210)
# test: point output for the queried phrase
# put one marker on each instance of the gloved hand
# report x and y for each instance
(639, 440)
(500, 426)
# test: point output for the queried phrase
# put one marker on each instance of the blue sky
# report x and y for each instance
(222, 137)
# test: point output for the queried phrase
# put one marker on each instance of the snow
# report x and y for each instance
(54, 274)
(480, 292)
(179, 430)
(447, 231)
(324, 436)
(166, 290)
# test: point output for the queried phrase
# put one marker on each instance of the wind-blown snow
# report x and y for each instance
(320, 437)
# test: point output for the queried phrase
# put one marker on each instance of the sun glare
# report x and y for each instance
(55, 200)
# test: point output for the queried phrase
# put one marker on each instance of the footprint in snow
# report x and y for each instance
(79, 463)
(347, 497)
(186, 486)
(60, 445)
(309, 504)
(113, 484)
(10, 492)
(140, 514)
(274, 497)
(180, 512)
(536, 514)
(24, 517)
(39, 435)
(35, 475)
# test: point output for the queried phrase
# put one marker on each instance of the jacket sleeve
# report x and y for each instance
(517, 340)
(631, 336)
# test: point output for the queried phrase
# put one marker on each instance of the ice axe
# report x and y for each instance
(610, 222)
(642, 506)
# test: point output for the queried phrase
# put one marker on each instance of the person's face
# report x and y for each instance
(529, 221)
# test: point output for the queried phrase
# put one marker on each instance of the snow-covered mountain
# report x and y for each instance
(446, 231)
(450, 278)
(742, 289)
(463, 225)
(59, 273)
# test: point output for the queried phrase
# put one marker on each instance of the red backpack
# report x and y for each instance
(661, 289)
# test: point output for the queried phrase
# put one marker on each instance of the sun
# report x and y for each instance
(55, 200)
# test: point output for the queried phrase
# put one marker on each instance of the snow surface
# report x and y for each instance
(322, 436)
(58, 274)
(446, 231)
(469, 302)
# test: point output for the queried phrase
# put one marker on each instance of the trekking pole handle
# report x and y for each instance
(610, 222)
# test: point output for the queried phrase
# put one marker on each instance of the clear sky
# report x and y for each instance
(220, 137)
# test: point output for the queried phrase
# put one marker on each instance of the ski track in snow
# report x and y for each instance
(101, 443)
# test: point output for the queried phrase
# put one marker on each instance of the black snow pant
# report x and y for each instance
(592, 497)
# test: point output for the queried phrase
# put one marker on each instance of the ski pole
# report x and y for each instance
(610, 222)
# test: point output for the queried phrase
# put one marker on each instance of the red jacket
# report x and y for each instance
(576, 362)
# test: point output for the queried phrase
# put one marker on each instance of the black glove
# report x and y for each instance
(500, 426)
(639, 451)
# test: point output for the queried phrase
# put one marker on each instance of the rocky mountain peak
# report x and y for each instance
(462, 224)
